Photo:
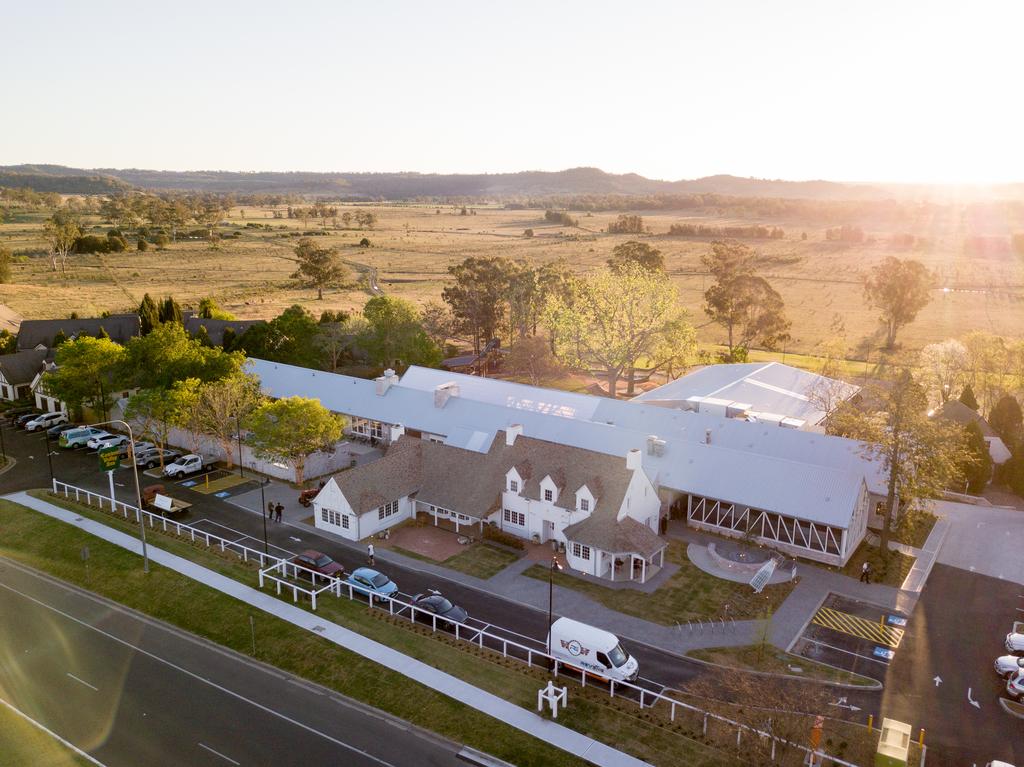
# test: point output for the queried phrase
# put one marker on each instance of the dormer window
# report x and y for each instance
(513, 486)
(549, 495)
(584, 504)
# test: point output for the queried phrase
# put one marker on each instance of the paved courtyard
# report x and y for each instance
(984, 540)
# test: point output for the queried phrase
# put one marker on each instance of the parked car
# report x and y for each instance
(437, 604)
(368, 581)
(591, 650)
(1007, 665)
(75, 438)
(46, 420)
(14, 413)
(108, 440)
(187, 464)
(22, 420)
(318, 562)
(1015, 642)
(56, 431)
(306, 496)
(1015, 685)
(149, 459)
(126, 448)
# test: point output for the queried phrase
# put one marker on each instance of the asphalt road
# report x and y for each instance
(935, 628)
(130, 691)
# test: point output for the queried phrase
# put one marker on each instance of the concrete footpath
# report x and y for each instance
(508, 713)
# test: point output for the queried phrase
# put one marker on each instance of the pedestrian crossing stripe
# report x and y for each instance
(862, 628)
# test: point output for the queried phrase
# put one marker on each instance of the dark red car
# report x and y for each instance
(318, 562)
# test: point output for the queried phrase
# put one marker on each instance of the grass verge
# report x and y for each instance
(891, 573)
(25, 745)
(773, 660)
(481, 560)
(914, 528)
(690, 594)
(55, 547)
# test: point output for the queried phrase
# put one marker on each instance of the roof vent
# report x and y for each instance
(655, 446)
(707, 436)
(444, 392)
(385, 382)
(512, 432)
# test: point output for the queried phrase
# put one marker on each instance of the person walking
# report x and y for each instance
(369, 554)
(865, 573)
(270, 510)
(279, 510)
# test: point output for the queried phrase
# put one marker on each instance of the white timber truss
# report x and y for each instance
(766, 526)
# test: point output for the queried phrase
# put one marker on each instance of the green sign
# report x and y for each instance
(110, 458)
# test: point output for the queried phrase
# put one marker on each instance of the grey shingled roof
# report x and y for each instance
(120, 328)
(616, 537)
(470, 483)
(957, 412)
(21, 367)
(215, 328)
(373, 484)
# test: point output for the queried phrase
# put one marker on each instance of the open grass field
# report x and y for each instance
(412, 246)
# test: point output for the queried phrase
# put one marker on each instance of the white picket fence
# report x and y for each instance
(283, 574)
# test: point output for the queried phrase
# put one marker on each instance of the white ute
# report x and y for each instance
(592, 650)
(187, 464)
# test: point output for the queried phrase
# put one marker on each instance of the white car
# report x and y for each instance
(187, 464)
(46, 420)
(1015, 685)
(1006, 665)
(1015, 642)
(105, 441)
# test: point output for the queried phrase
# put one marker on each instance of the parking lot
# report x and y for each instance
(853, 635)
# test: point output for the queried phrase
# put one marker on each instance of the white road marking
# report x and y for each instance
(841, 703)
(937, 680)
(848, 652)
(202, 679)
(52, 734)
(292, 537)
(972, 702)
(218, 753)
(82, 681)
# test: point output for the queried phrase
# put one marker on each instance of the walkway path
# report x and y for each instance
(561, 737)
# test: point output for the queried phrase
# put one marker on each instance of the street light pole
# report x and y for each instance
(551, 596)
(138, 492)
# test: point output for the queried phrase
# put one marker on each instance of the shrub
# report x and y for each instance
(492, 533)
(142, 245)
(364, 243)
(162, 241)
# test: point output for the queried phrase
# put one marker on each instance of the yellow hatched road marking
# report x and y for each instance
(862, 628)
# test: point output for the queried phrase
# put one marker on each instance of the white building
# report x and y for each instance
(17, 372)
(802, 492)
(602, 509)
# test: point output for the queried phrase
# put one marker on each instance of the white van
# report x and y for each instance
(592, 650)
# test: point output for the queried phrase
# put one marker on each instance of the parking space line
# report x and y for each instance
(854, 625)
(82, 681)
(218, 753)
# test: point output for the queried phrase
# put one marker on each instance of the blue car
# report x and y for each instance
(368, 581)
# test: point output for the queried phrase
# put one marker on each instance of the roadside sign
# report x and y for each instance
(110, 458)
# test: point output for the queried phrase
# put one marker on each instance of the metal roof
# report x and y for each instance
(802, 474)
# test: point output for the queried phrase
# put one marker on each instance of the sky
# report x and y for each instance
(898, 90)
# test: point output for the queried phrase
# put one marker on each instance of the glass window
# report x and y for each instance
(513, 486)
(618, 656)
(548, 495)
(584, 504)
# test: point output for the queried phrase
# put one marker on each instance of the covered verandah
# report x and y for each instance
(463, 524)
(629, 565)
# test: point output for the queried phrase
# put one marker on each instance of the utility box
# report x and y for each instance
(894, 744)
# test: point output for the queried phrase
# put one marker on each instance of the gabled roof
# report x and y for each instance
(120, 327)
(215, 328)
(373, 484)
(765, 387)
(9, 319)
(623, 537)
(957, 412)
(21, 367)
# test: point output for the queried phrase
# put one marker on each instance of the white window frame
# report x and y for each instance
(549, 495)
(513, 486)
(517, 518)
(584, 504)
(387, 510)
(580, 551)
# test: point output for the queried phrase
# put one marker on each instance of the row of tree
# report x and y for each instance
(753, 232)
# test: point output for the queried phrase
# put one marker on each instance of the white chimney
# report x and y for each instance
(444, 392)
(655, 446)
(385, 382)
(511, 432)
(396, 432)
(633, 459)
(707, 436)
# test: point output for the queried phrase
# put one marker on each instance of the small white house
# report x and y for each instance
(17, 372)
(604, 510)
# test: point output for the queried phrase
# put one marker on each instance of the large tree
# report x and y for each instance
(5, 264)
(157, 411)
(899, 288)
(921, 456)
(478, 296)
(616, 320)
(531, 358)
(395, 335)
(168, 355)
(223, 406)
(1006, 419)
(292, 429)
(289, 338)
(62, 230)
(749, 309)
(318, 267)
(943, 367)
(638, 253)
(88, 371)
(976, 468)
(341, 339)
(149, 315)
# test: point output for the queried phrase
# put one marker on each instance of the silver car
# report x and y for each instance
(1006, 665)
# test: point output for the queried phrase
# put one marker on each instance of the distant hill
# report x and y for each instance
(575, 181)
(57, 178)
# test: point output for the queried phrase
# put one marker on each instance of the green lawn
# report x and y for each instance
(772, 659)
(914, 528)
(690, 594)
(893, 574)
(480, 560)
(54, 547)
(25, 745)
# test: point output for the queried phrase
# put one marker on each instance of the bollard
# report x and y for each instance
(920, 740)
(871, 721)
